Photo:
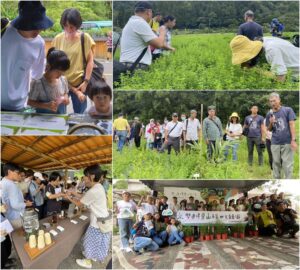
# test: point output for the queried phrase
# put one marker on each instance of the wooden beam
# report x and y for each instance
(58, 148)
(10, 141)
(24, 151)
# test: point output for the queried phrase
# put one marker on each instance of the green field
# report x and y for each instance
(135, 163)
(202, 61)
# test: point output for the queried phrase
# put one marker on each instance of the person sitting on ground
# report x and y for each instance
(231, 206)
(286, 220)
(101, 95)
(161, 234)
(234, 132)
(280, 54)
(50, 93)
(168, 23)
(174, 230)
(22, 54)
(141, 238)
(265, 221)
(138, 35)
(250, 28)
(148, 220)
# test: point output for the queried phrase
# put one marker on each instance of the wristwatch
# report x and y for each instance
(86, 80)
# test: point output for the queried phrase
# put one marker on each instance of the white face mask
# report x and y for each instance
(183, 118)
(166, 122)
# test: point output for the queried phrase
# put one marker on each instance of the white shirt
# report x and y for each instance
(174, 207)
(177, 131)
(234, 128)
(126, 209)
(135, 37)
(191, 127)
(21, 60)
(168, 37)
(148, 208)
(281, 55)
(95, 200)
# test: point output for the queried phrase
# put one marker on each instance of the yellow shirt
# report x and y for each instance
(120, 124)
(154, 25)
(266, 217)
(73, 50)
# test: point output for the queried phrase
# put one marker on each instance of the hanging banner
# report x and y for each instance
(206, 217)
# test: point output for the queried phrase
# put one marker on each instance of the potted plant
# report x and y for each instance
(202, 230)
(235, 230)
(224, 232)
(218, 230)
(255, 232)
(186, 236)
(241, 228)
(211, 231)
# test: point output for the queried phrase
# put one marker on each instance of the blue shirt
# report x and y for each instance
(281, 133)
(12, 196)
(36, 195)
(251, 30)
(254, 125)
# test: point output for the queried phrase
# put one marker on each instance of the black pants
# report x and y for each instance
(188, 144)
(267, 231)
(268, 144)
(211, 147)
(290, 228)
(175, 143)
(5, 251)
(251, 142)
(137, 141)
(156, 56)
(41, 212)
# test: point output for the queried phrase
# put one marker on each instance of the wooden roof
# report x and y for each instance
(44, 153)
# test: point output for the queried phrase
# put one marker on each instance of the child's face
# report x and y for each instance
(147, 217)
(101, 101)
(173, 221)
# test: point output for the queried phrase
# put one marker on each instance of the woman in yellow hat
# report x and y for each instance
(234, 132)
(280, 54)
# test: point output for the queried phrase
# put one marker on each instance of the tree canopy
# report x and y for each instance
(160, 104)
(216, 14)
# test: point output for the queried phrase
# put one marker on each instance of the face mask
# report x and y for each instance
(183, 118)
(166, 122)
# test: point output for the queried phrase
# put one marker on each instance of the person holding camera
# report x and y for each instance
(37, 193)
(281, 121)
(254, 130)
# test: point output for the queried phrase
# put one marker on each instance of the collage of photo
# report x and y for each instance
(150, 134)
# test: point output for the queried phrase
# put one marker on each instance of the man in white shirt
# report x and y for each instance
(280, 54)
(191, 129)
(174, 206)
(137, 35)
(173, 133)
(22, 54)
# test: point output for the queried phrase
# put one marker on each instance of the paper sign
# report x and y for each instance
(6, 226)
(60, 228)
(46, 122)
(74, 221)
(83, 217)
(53, 232)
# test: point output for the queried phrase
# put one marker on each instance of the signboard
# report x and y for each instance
(181, 193)
(206, 217)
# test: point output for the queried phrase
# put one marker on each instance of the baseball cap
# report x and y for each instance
(175, 114)
(39, 175)
(142, 6)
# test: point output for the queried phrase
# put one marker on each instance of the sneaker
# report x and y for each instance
(130, 241)
(137, 252)
(128, 249)
(85, 263)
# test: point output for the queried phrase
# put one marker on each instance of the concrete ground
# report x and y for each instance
(233, 253)
(108, 74)
(67, 263)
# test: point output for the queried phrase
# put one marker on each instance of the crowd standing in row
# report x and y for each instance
(276, 132)
(147, 226)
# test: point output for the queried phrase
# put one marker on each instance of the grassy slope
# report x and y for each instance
(145, 164)
(201, 61)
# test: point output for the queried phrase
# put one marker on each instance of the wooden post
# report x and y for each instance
(66, 177)
(201, 132)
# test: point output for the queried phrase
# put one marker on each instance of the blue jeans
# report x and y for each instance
(125, 225)
(234, 151)
(122, 138)
(145, 242)
(175, 236)
(78, 107)
(160, 238)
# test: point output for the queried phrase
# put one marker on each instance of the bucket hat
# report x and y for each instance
(234, 114)
(32, 16)
(243, 49)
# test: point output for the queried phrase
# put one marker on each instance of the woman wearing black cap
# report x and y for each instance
(22, 54)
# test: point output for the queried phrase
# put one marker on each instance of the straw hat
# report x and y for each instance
(243, 49)
(234, 114)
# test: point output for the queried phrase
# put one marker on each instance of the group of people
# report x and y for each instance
(144, 225)
(148, 225)
(144, 39)
(21, 189)
(250, 48)
(276, 132)
(27, 81)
